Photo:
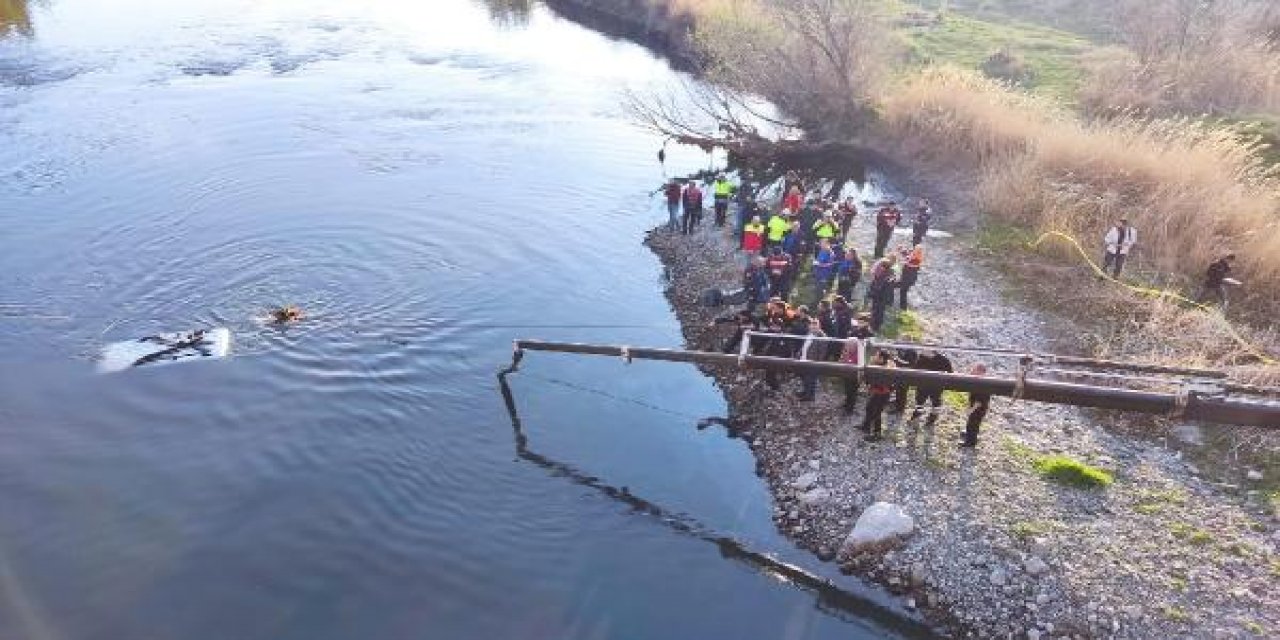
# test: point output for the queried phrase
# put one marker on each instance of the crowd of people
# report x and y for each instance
(806, 234)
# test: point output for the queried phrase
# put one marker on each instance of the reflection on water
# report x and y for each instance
(14, 16)
(428, 187)
(510, 12)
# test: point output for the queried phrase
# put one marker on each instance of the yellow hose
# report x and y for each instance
(1159, 293)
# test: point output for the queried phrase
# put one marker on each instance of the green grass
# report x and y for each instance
(1176, 614)
(902, 325)
(1072, 472)
(1153, 502)
(1052, 56)
(1190, 534)
(1028, 530)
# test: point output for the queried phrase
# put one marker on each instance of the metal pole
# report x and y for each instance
(1191, 406)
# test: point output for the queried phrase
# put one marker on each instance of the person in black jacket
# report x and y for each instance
(903, 359)
(1215, 280)
(931, 360)
(742, 321)
(978, 405)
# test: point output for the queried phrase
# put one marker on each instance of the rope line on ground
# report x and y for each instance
(1247, 346)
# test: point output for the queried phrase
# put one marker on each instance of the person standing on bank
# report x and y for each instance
(673, 204)
(880, 289)
(778, 227)
(1119, 240)
(935, 361)
(753, 236)
(692, 208)
(872, 420)
(886, 220)
(978, 405)
(920, 226)
(859, 332)
(910, 273)
(722, 189)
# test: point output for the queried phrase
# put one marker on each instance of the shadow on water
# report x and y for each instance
(15, 17)
(830, 598)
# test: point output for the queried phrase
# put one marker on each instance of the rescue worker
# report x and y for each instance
(903, 358)
(826, 228)
(841, 324)
(753, 236)
(880, 289)
(722, 190)
(878, 399)
(930, 360)
(810, 350)
(1119, 240)
(692, 208)
(886, 220)
(978, 405)
(742, 321)
(920, 226)
(755, 282)
(910, 273)
(672, 190)
(1215, 280)
(859, 332)
(847, 211)
(824, 268)
(793, 199)
(849, 270)
(778, 228)
(778, 267)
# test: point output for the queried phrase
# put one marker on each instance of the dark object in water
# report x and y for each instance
(718, 297)
(287, 314)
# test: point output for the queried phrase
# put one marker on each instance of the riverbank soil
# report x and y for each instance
(1000, 549)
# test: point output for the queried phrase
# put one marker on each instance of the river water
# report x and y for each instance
(429, 180)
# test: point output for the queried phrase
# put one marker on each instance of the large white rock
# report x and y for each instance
(815, 496)
(805, 481)
(881, 524)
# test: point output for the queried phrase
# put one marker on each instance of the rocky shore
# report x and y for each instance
(995, 549)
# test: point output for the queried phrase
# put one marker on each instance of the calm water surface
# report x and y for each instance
(429, 182)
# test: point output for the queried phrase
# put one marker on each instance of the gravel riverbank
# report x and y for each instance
(997, 551)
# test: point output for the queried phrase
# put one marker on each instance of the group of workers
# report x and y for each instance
(816, 231)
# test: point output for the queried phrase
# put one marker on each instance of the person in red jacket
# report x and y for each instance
(886, 220)
(753, 236)
(794, 199)
(672, 191)
(877, 400)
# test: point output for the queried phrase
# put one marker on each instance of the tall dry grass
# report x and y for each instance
(1193, 191)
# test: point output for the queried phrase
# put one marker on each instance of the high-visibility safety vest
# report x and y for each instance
(915, 259)
(723, 188)
(754, 227)
(778, 228)
(824, 229)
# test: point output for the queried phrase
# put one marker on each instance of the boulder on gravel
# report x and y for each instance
(881, 525)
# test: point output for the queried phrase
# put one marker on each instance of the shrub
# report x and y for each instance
(1073, 473)
(1193, 190)
(1004, 65)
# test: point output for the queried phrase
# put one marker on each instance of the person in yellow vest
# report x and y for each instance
(722, 189)
(826, 228)
(779, 226)
(910, 273)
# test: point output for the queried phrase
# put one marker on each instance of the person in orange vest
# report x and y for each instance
(910, 273)
(753, 236)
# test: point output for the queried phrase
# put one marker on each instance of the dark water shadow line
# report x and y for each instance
(830, 598)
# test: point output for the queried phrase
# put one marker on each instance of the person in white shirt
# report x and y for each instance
(1119, 240)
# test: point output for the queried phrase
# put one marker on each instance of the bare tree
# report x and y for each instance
(820, 61)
